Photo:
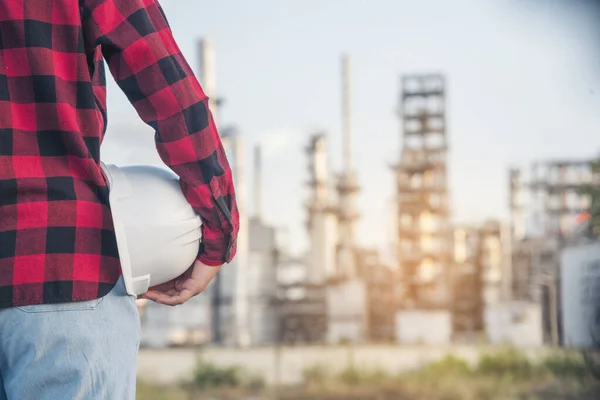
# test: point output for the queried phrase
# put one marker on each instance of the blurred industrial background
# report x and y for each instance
(437, 282)
(497, 281)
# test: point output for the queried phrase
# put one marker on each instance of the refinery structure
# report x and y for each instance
(497, 281)
(424, 234)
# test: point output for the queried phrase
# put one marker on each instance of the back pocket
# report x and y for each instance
(88, 305)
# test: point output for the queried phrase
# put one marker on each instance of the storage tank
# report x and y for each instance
(580, 286)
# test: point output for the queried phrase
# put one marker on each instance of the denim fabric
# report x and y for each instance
(77, 351)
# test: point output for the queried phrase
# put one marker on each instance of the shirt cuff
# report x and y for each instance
(209, 262)
(216, 252)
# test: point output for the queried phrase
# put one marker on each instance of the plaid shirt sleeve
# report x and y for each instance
(147, 64)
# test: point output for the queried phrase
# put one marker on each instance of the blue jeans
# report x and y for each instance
(76, 351)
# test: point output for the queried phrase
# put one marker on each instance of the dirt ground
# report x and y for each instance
(556, 391)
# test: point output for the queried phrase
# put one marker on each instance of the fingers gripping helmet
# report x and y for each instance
(158, 233)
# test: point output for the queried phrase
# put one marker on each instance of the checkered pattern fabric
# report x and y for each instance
(57, 242)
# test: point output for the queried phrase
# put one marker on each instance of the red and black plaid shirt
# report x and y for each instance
(56, 235)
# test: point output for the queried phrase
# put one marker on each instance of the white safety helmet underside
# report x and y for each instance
(158, 233)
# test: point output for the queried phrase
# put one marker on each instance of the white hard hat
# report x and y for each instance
(158, 233)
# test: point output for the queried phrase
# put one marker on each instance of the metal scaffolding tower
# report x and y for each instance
(424, 233)
(559, 196)
(556, 196)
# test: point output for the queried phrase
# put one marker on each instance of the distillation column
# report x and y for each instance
(322, 218)
(347, 186)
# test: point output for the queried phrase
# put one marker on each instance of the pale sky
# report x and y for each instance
(522, 79)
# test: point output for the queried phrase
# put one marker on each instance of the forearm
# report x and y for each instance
(149, 67)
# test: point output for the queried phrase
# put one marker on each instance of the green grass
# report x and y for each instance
(209, 376)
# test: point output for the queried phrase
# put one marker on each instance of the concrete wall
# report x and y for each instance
(423, 327)
(347, 312)
(173, 366)
(518, 323)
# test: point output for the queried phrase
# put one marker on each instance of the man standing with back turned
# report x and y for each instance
(68, 329)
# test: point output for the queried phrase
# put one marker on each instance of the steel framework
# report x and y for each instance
(422, 194)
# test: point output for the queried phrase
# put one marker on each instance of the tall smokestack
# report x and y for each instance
(257, 182)
(347, 185)
(346, 113)
(208, 76)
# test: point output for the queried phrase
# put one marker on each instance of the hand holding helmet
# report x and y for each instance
(179, 290)
(158, 234)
